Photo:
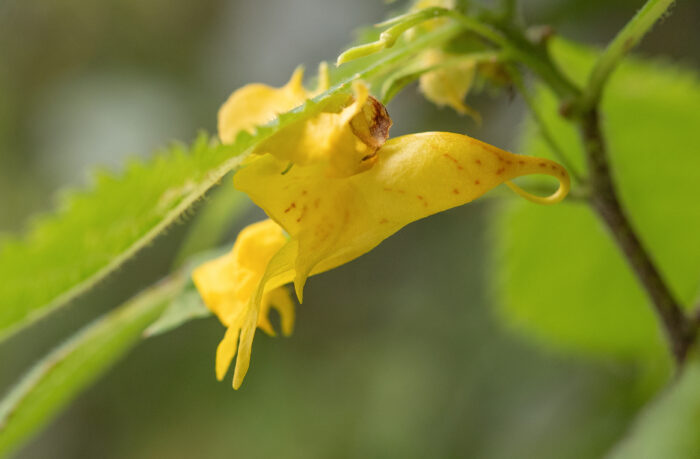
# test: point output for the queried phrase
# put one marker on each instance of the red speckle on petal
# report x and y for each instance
(453, 160)
(455, 191)
(476, 182)
(303, 212)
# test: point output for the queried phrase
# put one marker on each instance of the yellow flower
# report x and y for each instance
(449, 85)
(227, 284)
(347, 190)
(334, 220)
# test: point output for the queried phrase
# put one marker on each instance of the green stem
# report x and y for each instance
(514, 45)
(680, 330)
(71, 367)
(517, 79)
(399, 25)
(625, 40)
(519, 49)
(509, 9)
(386, 61)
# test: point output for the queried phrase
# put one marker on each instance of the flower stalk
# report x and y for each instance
(679, 329)
(626, 39)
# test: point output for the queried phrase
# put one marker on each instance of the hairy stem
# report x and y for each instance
(626, 39)
(679, 329)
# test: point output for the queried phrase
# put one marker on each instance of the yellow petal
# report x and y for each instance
(245, 348)
(324, 79)
(228, 286)
(310, 206)
(225, 351)
(448, 85)
(345, 142)
(278, 272)
(215, 281)
(278, 299)
(335, 220)
(227, 283)
(257, 104)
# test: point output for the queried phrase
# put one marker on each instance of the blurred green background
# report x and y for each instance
(398, 354)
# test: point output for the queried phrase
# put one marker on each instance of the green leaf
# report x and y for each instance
(562, 279)
(184, 308)
(668, 428)
(95, 231)
(55, 380)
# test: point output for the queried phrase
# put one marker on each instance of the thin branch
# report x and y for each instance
(625, 40)
(516, 47)
(558, 152)
(680, 330)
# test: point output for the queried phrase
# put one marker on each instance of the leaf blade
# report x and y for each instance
(563, 281)
(55, 380)
(669, 426)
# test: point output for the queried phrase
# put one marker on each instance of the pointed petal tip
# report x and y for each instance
(297, 76)
(323, 77)
(239, 373)
(299, 283)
